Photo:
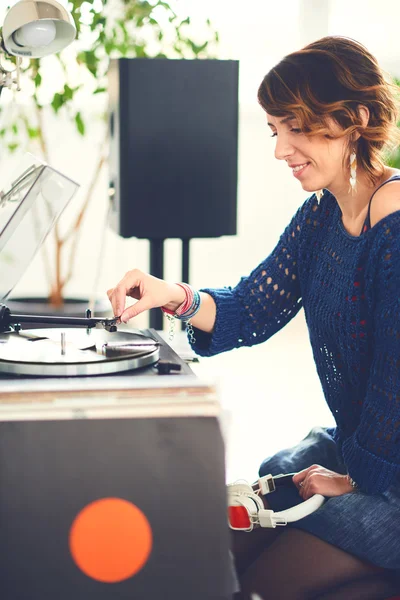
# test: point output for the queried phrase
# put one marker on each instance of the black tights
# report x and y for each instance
(290, 564)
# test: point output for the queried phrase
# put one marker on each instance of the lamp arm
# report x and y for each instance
(10, 78)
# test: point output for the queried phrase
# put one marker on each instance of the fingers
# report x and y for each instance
(304, 486)
(320, 480)
(149, 291)
(300, 480)
(315, 483)
(126, 287)
(299, 477)
(112, 296)
(304, 481)
(135, 310)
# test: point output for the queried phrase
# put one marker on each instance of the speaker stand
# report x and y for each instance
(157, 269)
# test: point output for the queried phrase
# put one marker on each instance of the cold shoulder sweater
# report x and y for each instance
(349, 288)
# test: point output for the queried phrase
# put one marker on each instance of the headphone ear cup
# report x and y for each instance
(243, 506)
(239, 519)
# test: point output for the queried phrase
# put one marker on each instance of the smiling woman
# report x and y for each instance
(331, 113)
(331, 91)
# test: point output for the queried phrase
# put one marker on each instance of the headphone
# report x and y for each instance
(246, 509)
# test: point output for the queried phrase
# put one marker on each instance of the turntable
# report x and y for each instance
(58, 346)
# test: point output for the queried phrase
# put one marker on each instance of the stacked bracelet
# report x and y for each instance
(189, 307)
(185, 311)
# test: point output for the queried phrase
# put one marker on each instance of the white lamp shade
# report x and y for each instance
(37, 28)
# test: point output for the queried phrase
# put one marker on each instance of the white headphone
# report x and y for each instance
(246, 509)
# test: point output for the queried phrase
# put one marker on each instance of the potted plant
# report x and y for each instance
(105, 29)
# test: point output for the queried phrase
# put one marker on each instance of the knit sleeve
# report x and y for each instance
(372, 453)
(260, 304)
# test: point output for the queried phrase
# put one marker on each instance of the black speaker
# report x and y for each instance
(174, 146)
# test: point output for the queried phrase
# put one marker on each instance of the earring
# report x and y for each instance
(353, 172)
(319, 194)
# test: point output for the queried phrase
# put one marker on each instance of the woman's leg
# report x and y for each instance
(247, 546)
(299, 566)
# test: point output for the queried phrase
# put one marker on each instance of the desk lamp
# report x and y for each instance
(33, 29)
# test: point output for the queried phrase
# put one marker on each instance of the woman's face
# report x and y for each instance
(316, 161)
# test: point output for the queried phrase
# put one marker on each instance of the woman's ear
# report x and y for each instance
(363, 113)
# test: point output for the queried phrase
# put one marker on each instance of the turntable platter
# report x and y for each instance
(73, 352)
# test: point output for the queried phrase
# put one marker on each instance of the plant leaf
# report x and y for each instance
(79, 123)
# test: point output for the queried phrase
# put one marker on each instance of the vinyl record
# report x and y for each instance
(74, 352)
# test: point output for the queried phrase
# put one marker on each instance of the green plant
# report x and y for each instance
(105, 29)
(393, 158)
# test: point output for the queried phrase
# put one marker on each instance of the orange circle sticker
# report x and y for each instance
(110, 540)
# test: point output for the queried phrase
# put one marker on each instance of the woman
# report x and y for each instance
(332, 114)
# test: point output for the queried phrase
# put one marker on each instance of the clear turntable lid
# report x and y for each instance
(29, 208)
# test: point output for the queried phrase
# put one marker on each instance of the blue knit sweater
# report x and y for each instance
(349, 288)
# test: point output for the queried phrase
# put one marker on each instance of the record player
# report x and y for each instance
(61, 347)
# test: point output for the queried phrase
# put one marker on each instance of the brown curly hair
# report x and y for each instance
(330, 79)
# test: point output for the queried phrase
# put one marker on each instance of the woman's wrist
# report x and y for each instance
(178, 297)
(352, 485)
(188, 308)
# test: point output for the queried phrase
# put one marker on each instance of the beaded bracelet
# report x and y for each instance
(185, 311)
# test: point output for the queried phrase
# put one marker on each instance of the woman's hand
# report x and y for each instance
(318, 480)
(149, 291)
